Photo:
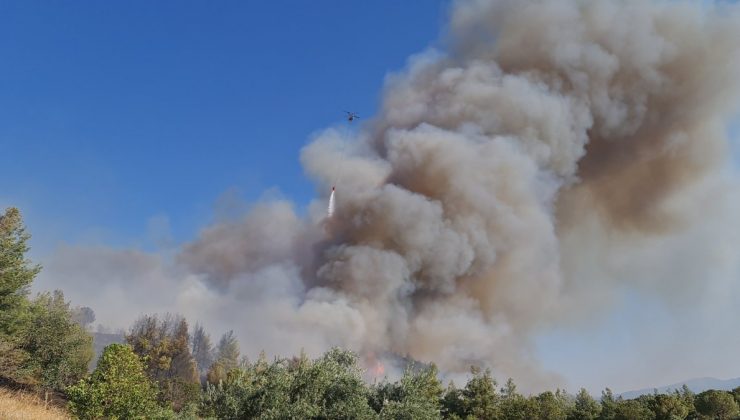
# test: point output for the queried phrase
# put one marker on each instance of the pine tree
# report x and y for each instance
(16, 272)
(228, 351)
(202, 349)
(16, 275)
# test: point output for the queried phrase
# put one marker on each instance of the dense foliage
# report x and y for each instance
(41, 342)
(117, 389)
(164, 346)
(331, 387)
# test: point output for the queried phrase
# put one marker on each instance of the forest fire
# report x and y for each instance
(374, 367)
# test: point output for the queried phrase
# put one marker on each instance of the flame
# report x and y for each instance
(377, 370)
(375, 367)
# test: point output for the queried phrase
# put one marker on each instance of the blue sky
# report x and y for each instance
(114, 113)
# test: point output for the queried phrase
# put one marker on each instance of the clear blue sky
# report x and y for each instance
(115, 112)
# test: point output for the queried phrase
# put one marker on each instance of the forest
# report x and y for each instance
(168, 370)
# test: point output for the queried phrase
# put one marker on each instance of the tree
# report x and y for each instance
(514, 405)
(117, 389)
(687, 397)
(227, 358)
(16, 272)
(416, 396)
(183, 363)
(669, 407)
(586, 408)
(164, 346)
(39, 342)
(718, 405)
(633, 410)
(480, 398)
(228, 351)
(552, 406)
(59, 350)
(509, 389)
(330, 387)
(608, 405)
(84, 316)
(453, 403)
(202, 349)
(229, 398)
(181, 386)
(16, 275)
(217, 373)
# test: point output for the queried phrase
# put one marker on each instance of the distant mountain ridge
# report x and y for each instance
(695, 385)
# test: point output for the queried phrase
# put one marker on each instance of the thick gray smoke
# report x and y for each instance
(556, 153)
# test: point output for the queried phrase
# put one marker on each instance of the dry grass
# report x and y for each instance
(18, 405)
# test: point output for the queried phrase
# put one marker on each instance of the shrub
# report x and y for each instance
(117, 389)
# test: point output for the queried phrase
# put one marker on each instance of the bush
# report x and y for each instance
(117, 389)
(417, 395)
(59, 349)
(330, 387)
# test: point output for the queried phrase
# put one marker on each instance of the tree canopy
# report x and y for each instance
(40, 342)
(117, 389)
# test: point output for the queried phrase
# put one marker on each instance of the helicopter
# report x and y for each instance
(351, 116)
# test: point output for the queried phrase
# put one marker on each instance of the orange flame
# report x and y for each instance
(378, 370)
(375, 368)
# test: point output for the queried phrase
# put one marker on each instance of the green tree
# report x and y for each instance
(552, 406)
(163, 344)
(669, 407)
(719, 405)
(16, 272)
(330, 387)
(453, 403)
(514, 405)
(688, 398)
(608, 405)
(586, 408)
(227, 358)
(480, 398)
(633, 410)
(334, 384)
(228, 398)
(16, 275)
(40, 344)
(59, 349)
(117, 389)
(228, 351)
(416, 396)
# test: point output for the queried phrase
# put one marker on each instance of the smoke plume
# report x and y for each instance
(553, 154)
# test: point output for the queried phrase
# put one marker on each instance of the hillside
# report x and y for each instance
(17, 405)
(696, 385)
